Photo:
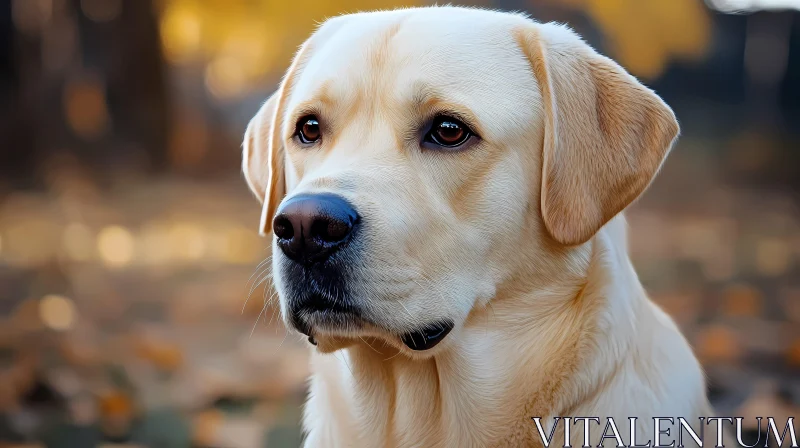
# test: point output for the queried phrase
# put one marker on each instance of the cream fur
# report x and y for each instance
(518, 239)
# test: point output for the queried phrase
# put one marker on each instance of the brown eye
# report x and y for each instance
(308, 130)
(448, 132)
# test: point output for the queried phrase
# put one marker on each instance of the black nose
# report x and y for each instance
(311, 227)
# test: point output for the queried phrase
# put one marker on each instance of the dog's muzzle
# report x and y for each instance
(318, 233)
(314, 233)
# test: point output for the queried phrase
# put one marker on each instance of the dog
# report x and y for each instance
(444, 189)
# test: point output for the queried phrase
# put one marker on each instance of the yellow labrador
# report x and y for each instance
(444, 187)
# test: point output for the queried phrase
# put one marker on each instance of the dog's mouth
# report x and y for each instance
(420, 340)
(428, 337)
(321, 317)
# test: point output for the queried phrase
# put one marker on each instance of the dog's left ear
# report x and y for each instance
(605, 134)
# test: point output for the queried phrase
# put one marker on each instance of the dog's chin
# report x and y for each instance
(329, 343)
(384, 344)
(330, 331)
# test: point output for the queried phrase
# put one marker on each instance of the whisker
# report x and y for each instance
(393, 356)
(345, 364)
(266, 304)
(257, 319)
(285, 333)
(264, 276)
(275, 309)
(368, 345)
(259, 266)
(261, 269)
(255, 286)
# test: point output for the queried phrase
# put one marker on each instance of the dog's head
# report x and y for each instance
(413, 162)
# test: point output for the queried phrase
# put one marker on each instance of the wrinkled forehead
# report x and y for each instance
(392, 59)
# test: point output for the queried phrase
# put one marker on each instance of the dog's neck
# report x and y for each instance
(540, 336)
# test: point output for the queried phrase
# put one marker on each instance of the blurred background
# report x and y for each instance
(128, 242)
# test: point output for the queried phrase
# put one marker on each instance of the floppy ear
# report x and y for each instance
(263, 158)
(255, 160)
(262, 161)
(605, 134)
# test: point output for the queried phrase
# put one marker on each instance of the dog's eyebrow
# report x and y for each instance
(429, 102)
(305, 108)
(319, 99)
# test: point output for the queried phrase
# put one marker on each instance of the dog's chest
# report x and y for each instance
(422, 415)
(433, 405)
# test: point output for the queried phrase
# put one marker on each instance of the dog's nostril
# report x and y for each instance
(331, 230)
(283, 228)
(337, 230)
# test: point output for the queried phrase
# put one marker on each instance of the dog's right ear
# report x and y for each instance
(255, 161)
(262, 159)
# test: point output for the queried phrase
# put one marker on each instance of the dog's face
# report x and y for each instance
(415, 161)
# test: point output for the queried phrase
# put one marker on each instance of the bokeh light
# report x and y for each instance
(181, 30)
(85, 107)
(115, 245)
(187, 242)
(224, 77)
(57, 312)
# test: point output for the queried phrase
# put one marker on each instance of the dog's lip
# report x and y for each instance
(427, 337)
(314, 321)
(325, 320)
